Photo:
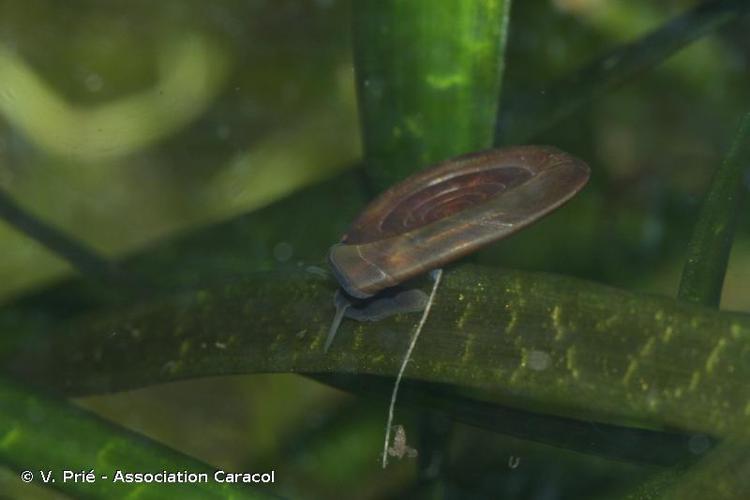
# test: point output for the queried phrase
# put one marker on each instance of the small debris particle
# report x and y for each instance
(539, 360)
(220, 345)
(400, 448)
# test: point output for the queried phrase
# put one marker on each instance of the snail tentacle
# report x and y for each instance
(390, 302)
(337, 318)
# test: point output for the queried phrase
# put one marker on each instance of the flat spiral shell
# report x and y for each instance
(450, 210)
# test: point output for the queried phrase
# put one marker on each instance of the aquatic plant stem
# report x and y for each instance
(721, 474)
(84, 259)
(437, 275)
(523, 118)
(701, 282)
(42, 432)
(599, 346)
(428, 80)
(620, 443)
(708, 251)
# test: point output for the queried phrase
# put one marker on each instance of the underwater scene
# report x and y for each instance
(375, 249)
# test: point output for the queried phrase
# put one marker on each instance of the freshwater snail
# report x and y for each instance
(444, 213)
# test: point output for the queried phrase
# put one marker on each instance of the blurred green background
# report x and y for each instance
(128, 123)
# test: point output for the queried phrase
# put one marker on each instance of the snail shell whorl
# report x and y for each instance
(450, 210)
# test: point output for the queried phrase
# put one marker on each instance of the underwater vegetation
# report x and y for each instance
(173, 175)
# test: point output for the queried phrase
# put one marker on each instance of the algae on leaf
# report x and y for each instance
(611, 355)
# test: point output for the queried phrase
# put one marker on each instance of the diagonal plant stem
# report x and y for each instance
(708, 250)
(41, 433)
(722, 473)
(522, 119)
(83, 258)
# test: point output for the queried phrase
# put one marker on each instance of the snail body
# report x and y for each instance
(437, 216)
(451, 210)
(442, 214)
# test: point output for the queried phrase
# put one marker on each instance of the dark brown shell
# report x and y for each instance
(450, 210)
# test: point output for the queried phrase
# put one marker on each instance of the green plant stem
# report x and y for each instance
(428, 80)
(628, 444)
(41, 433)
(521, 119)
(708, 251)
(722, 474)
(539, 342)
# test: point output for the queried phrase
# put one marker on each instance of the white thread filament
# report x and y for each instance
(436, 275)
